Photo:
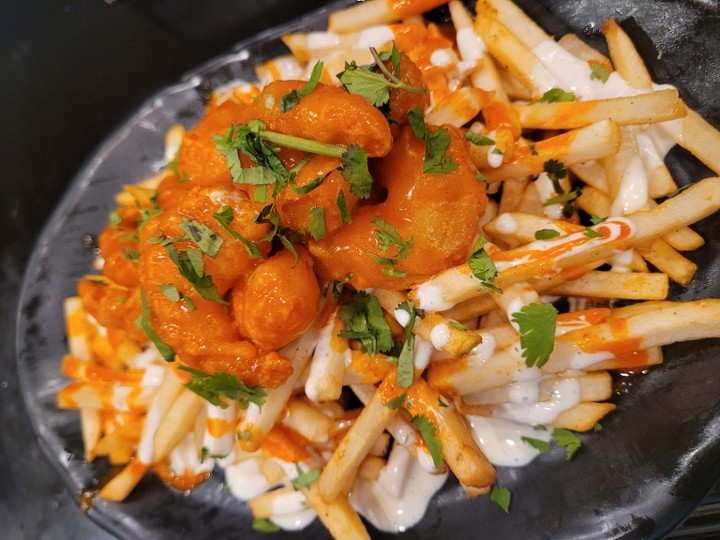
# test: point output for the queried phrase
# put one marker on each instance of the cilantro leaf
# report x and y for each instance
(388, 236)
(213, 387)
(477, 139)
(592, 233)
(458, 326)
(317, 223)
(555, 95)
(563, 198)
(482, 265)
(555, 170)
(265, 526)
(364, 320)
(172, 293)
(537, 332)
(224, 217)
(345, 216)
(114, 219)
(501, 496)
(202, 235)
(190, 266)
(539, 444)
(143, 321)
(568, 440)
(396, 403)
(355, 171)
(374, 87)
(312, 184)
(292, 98)
(130, 254)
(428, 431)
(304, 479)
(546, 234)
(596, 220)
(599, 72)
(405, 373)
(436, 144)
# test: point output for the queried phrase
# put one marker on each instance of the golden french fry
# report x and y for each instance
(515, 19)
(629, 285)
(354, 447)
(91, 430)
(626, 110)
(123, 483)
(262, 505)
(577, 47)
(338, 516)
(625, 57)
(373, 12)
(595, 141)
(307, 421)
(663, 257)
(179, 420)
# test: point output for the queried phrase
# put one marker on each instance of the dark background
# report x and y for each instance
(70, 72)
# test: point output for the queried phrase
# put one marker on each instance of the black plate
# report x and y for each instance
(639, 477)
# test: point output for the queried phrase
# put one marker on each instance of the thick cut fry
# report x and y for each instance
(179, 421)
(307, 421)
(123, 483)
(327, 368)
(354, 447)
(625, 57)
(619, 339)
(91, 430)
(373, 12)
(515, 19)
(627, 110)
(258, 421)
(629, 285)
(596, 141)
(262, 505)
(459, 108)
(577, 47)
(663, 257)
(338, 516)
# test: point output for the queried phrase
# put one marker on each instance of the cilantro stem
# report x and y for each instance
(393, 81)
(306, 145)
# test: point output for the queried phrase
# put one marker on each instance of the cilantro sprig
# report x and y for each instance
(536, 323)
(389, 237)
(502, 497)
(202, 235)
(214, 387)
(224, 217)
(304, 478)
(482, 265)
(599, 72)
(560, 436)
(374, 81)
(190, 265)
(364, 320)
(555, 95)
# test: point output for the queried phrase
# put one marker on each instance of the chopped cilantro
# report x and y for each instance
(539, 444)
(364, 320)
(317, 223)
(555, 95)
(397, 402)
(568, 440)
(501, 496)
(265, 526)
(482, 265)
(592, 233)
(143, 322)
(224, 217)
(599, 72)
(388, 236)
(597, 426)
(202, 235)
(555, 170)
(314, 183)
(563, 198)
(458, 326)
(292, 98)
(355, 171)
(213, 387)
(130, 254)
(345, 216)
(596, 220)
(436, 144)
(429, 434)
(546, 234)
(304, 479)
(533, 151)
(114, 219)
(172, 293)
(477, 139)
(405, 373)
(537, 332)
(190, 265)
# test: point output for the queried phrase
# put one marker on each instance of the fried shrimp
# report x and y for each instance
(434, 215)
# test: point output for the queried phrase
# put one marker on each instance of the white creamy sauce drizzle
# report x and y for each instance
(184, 457)
(483, 350)
(375, 36)
(506, 224)
(622, 261)
(223, 445)
(430, 297)
(471, 46)
(440, 335)
(443, 58)
(245, 479)
(633, 193)
(423, 351)
(396, 513)
(501, 440)
(323, 357)
(565, 394)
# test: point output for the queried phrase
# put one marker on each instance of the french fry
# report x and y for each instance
(258, 422)
(338, 516)
(577, 47)
(354, 447)
(625, 57)
(583, 416)
(262, 505)
(124, 482)
(661, 255)
(595, 141)
(459, 108)
(668, 324)
(595, 386)
(626, 110)
(307, 421)
(179, 420)
(327, 367)
(629, 285)
(373, 12)
(514, 19)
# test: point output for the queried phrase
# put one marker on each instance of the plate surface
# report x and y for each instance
(639, 477)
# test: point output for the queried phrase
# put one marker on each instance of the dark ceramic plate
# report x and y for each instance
(640, 476)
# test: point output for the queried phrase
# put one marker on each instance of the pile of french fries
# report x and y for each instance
(136, 411)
